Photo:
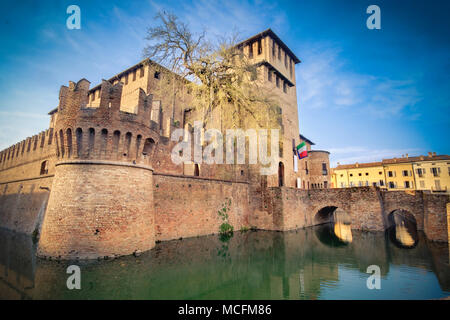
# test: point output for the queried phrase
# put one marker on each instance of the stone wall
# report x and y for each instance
(188, 206)
(96, 209)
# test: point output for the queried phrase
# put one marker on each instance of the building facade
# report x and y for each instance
(427, 173)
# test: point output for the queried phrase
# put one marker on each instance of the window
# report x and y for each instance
(277, 81)
(422, 183)
(141, 72)
(391, 185)
(367, 183)
(351, 174)
(381, 183)
(254, 75)
(380, 173)
(279, 53)
(290, 67)
(420, 172)
(359, 174)
(342, 175)
(391, 174)
(435, 171)
(259, 47)
(284, 87)
(44, 167)
(405, 173)
(269, 75)
(437, 184)
(126, 79)
(250, 51)
(360, 183)
(342, 184)
(367, 173)
(324, 169)
(134, 75)
(273, 48)
(407, 185)
(351, 183)
(285, 60)
(157, 75)
(325, 184)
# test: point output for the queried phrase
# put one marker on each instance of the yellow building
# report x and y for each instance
(358, 175)
(399, 174)
(430, 173)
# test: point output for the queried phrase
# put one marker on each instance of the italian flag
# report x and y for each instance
(301, 150)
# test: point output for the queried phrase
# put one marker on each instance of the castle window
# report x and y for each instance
(69, 142)
(138, 144)
(104, 141)
(250, 50)
(116, 139)
(324, 169)
(127, 144)
(277, 81)
(91, 141)
(79, 138)
(284, 87)
(290, 67)
(134, 75)
(279, 53)
(407, 186)
(148, 146)
(269, 75)
(156, 75)
(285, 60)
(44, 167)
(196, 170)
(381, 183)
(93, 96)
(259, 47)
(405, 173)
(61, 140)
(141, 72)
(273, 48)
(126, 78)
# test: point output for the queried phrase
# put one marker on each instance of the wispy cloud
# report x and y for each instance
(352, 154)
(326, 81)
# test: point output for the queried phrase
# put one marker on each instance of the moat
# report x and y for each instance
(305, 264)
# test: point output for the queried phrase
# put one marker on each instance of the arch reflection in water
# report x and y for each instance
(334, 226)
(402, 229)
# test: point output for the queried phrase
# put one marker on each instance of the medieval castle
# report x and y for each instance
(100, 181)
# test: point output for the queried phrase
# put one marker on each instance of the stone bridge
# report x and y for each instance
(368, 207)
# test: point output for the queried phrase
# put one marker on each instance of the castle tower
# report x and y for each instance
(101, 201)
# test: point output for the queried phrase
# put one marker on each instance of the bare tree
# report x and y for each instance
(219, 76)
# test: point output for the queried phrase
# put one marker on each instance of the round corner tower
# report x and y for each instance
(101, 201)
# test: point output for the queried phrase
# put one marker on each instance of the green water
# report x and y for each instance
(303, 264)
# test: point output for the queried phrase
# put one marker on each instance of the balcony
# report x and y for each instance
(440, 189)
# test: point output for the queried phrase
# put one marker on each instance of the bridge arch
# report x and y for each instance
(402, 228)
(324, 215)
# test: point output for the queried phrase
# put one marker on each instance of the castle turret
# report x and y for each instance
(101, 202)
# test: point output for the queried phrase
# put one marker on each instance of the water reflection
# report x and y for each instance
(252, 265)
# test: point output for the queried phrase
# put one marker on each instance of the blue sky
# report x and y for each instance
(363, 94)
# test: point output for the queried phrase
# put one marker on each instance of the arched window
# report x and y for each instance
(69, 142)
(61, 142)
(44, 167)
(79, 138)
(127, 144)
(116, 139)
(280, 174)
(196, 170)
(104, 142)
(148, 146)
(91, 143)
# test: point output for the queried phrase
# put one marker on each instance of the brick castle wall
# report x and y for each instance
(188, 206)
(96, 210)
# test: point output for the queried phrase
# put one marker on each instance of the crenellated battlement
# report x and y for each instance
(30, 149)
(104, 132)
